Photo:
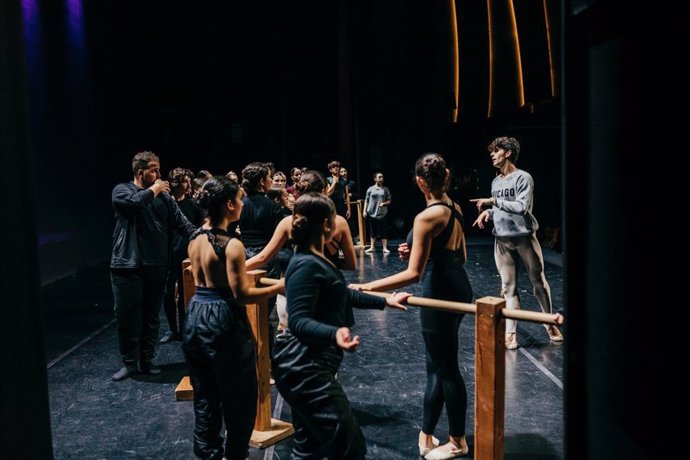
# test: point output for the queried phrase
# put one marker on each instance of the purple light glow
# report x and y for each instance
(32, 20)
(75, 25)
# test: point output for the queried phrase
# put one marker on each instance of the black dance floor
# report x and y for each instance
(95, 418)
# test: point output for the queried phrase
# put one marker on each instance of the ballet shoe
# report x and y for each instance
(446, 452)
(554, 334)
(423, 450)
(511, 341)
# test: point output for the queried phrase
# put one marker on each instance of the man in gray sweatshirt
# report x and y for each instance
(510, 208)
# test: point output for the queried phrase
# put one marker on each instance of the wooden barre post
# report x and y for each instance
(258, 319)
(267, 430)
(184, 390)
(360, 224)
(489, 379)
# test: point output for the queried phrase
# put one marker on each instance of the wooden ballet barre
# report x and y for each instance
(445, 305)
(534, 316)
(460, 307)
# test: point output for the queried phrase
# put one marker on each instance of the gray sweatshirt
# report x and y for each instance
(512, 214)
(372, 202)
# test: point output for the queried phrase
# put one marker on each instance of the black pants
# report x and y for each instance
(138, 295)
(321, 414)
(219, 348)
(174, 306)
(444, 383)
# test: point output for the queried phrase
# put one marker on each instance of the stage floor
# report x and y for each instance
(95, 418)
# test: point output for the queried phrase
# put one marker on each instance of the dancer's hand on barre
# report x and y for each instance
(359, 287)
(281, 286)
(404, 251)
(397, 300)
(482, 219)
(345, 341)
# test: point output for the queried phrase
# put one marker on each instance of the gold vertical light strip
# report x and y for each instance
(552, 71)
(491, 58)
(456, 60)
(518, 59)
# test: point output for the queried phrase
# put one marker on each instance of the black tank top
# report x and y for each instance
(438, 249)
(218, 238)
(331, 251)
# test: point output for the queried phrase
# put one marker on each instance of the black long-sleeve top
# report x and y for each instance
(180, 241)
(319, 301)
(259, 219)
(143, 226)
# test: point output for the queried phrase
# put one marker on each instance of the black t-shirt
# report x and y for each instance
(338, 195)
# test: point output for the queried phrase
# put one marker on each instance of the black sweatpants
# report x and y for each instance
(325, 426)
(219, 348)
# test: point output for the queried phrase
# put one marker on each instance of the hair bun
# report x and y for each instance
(204, 198)
(299, 221)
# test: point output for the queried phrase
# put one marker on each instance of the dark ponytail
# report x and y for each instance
(311, 209)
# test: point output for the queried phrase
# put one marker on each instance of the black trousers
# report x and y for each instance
(325, 426)
(174, 306)
(219, 349)
(138, 295)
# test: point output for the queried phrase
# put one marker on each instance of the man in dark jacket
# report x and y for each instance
(145, 217)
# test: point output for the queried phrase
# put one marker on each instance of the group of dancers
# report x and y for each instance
(217, 341)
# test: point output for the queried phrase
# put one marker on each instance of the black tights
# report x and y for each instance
(444, 383)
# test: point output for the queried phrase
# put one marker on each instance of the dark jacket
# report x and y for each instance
(144, 226)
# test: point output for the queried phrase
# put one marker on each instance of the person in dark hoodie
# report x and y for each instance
(145, 217)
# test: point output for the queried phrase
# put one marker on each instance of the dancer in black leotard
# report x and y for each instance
(217, 340)
(436, 251)
(307, 356)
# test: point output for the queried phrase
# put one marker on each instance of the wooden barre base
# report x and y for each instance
(184, 390)
(279, 430)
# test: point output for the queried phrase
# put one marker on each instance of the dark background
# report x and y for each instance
(218, 85)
